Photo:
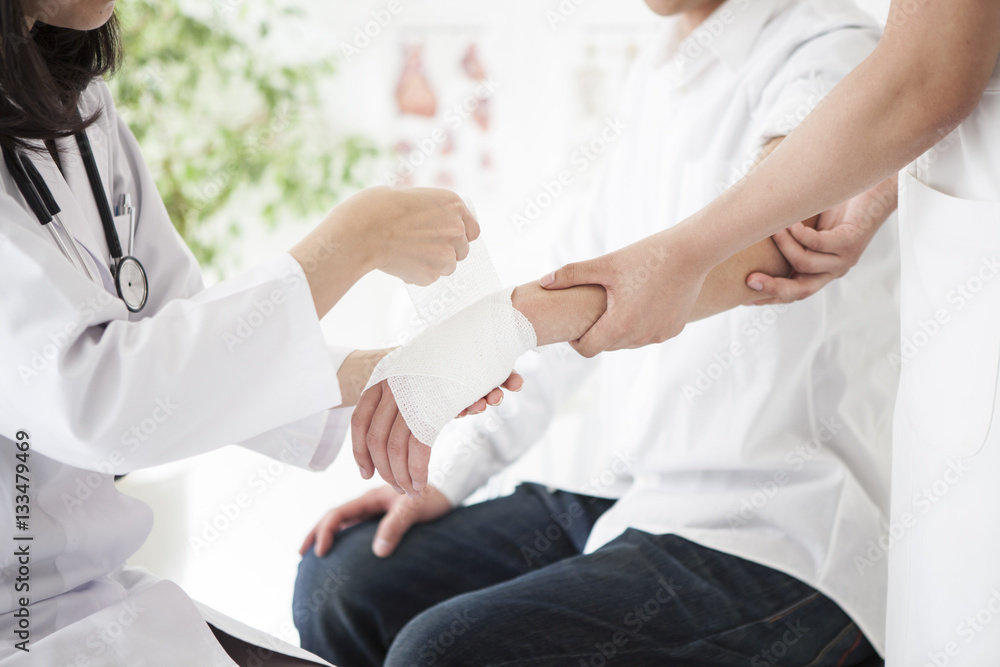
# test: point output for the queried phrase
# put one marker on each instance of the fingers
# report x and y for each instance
(789, 290)
(598, 339)
(474, 409)
(361, 421)
(377, 439)
(461, 248)
(419, 462)
(308, 542)
(370, 504)
(803, 259)
(495, 397)
(398, 451)
(571, 275)
(471, 225)
(393, 526)
(827, 242)
(514, 383)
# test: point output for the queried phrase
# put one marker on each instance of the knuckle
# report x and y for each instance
(374, 440)
(357, 421)
(395, 445)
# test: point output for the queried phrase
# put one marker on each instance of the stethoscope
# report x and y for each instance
(129, 276)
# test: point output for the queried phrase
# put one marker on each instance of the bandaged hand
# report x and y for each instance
(382, 441)
(420, 387)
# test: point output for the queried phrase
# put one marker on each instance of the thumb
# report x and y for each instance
(392, 527)
(571, 275)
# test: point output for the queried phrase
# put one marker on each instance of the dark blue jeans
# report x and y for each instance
(504, 583)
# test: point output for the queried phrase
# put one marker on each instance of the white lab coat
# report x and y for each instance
(102, 391)
(944, 553)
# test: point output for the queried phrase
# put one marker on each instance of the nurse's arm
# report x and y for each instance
(926, 76)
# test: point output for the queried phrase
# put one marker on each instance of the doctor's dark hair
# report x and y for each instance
(44, 71)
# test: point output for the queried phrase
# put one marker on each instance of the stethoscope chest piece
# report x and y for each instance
(130, 281)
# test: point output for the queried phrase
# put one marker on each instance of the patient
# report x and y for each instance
(734, 480)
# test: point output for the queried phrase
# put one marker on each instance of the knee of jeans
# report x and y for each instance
(330, 588)
(442, 636)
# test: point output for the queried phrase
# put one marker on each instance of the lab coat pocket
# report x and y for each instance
(703, 181)
(950, 307)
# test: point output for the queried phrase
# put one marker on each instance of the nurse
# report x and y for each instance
(116, 357)
(926, 102)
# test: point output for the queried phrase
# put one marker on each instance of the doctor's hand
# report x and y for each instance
(416, 234)
(820, 256)
(651, 285)
(400, 513)
(382, 441)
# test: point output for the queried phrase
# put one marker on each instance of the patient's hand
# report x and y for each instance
(382, 441)
(400, 514)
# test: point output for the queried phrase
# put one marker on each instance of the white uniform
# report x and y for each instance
(759, 432)
(944, 590)
(101, 391)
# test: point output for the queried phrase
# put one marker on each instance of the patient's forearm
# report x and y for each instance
(560, 315)
(726, 287)
(565, 315)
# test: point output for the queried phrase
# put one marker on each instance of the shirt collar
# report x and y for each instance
(727, 35)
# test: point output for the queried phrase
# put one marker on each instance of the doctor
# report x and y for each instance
(929, 98)
(116, 357)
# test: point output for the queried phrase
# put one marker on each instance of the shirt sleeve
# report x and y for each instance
(805, 78)
(474, 449)
(99, 388)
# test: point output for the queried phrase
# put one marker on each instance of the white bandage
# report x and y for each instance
(474, 336)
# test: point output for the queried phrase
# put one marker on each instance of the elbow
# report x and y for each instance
(940, 100)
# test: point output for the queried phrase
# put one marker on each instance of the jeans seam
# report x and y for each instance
(794, 607)
(829, 647)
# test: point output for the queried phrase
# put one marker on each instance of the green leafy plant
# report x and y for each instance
(231, 135)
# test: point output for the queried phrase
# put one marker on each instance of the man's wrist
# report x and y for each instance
(354, 373)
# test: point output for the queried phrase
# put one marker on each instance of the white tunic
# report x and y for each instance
(760, 432)
(101, 391)
(944, 565)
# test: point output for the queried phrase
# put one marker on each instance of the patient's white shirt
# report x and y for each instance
(763, 432)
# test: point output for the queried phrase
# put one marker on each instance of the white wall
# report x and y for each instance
(557, 85)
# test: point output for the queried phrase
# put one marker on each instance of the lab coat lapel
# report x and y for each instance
(71, 189)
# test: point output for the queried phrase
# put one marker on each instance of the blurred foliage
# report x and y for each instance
(225, 129)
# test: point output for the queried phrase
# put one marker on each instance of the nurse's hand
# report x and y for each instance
(820, 256)
(416, 234)
(651, 285)
(399, 514)
(382, 441)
